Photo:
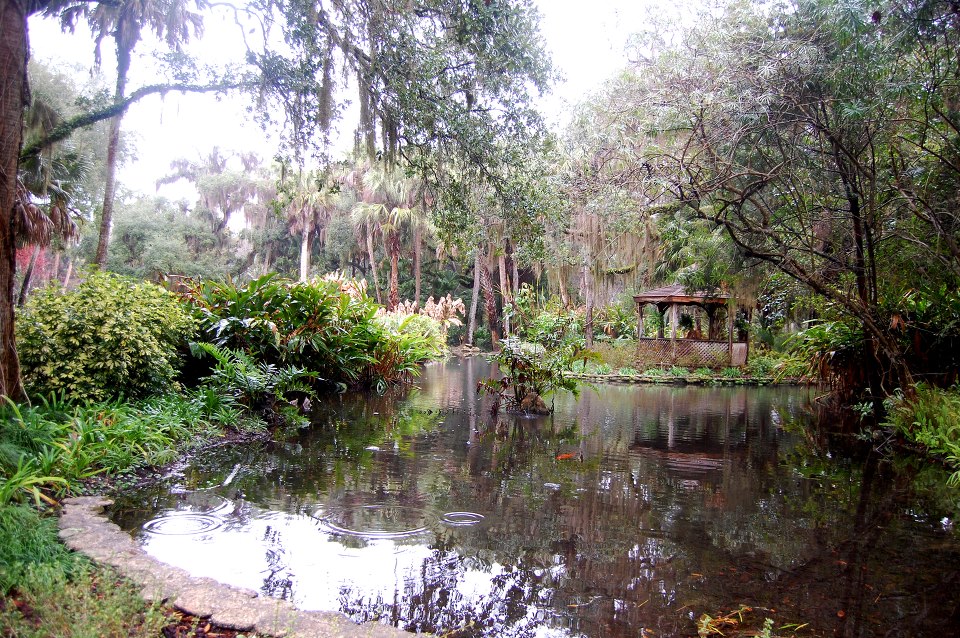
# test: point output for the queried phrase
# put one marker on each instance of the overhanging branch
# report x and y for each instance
(63, 130)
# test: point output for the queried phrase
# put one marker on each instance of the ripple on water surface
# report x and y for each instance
(378, 521)
(182, 524)
(461, 519)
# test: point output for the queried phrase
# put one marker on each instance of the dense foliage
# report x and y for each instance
(110, 336)
(316, 326)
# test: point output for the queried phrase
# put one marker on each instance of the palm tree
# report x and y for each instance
(388, 200)
(124, 21)
(223, 190)
(46, 183)
(309, 203)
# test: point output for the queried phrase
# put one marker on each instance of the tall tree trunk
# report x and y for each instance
(588, 297)
(562, 287)
(504, 291)
(27, 276)
(66, 277)
(486, 283)
(373, 263)
(113, 147)
(474, 297)
(417, 254)
(393, 299)
(305, 250)
(54, 274)
(515, 276)
(14, 96)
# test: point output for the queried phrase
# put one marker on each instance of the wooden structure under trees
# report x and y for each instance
(714, 350)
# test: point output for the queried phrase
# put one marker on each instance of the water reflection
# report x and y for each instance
(631, 510)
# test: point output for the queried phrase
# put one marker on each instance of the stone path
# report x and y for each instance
(85, 528)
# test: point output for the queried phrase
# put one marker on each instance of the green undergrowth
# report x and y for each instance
(48, 449)
(46, 590)
(930, 419)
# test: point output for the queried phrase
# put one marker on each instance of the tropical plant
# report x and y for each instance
(930, 418)
(314, 326)
(527, 375)
(110, 336)
(257, 385)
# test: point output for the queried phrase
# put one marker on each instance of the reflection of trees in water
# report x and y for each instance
(277, 581)
(622, 509)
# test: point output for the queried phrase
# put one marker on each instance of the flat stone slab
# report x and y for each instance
(84, 528)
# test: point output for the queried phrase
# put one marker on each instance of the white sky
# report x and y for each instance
(586, 40)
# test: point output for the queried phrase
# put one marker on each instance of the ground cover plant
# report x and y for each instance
(50, 591)
(50, 448)
(930, 419)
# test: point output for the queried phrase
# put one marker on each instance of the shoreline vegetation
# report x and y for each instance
(137, 377)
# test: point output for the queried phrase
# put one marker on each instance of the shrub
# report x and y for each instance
(628, 371)
(703, 372)
(602, 368)
(316, 326)
(731, 373)
(110, 337)
(551, 329)
(761, 365)
(526, 371)
(679, 371)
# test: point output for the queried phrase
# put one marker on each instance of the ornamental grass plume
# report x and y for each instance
(356, 288)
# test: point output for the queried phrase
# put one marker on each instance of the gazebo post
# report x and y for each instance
(673, 333)
(731, 313)
(640, 308)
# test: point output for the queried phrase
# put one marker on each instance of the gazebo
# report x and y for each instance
(716, 350)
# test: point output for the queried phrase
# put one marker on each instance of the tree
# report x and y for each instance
(808, 133)
(308, 202)
(223, 190)
(14, 97)
(387, 198)
(124, 21)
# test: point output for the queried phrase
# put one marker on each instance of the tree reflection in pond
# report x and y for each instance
(631, 510)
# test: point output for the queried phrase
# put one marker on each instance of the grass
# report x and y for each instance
(49, 591)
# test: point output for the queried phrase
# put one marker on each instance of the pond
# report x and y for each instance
(632, 511)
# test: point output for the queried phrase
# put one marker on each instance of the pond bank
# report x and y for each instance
(85, 528)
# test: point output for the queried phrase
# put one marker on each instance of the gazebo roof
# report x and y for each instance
(676, 293)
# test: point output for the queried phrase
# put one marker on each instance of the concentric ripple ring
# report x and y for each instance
(182, 525)
(378, 521)
(461, 519)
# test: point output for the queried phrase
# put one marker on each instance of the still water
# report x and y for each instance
(632, 511)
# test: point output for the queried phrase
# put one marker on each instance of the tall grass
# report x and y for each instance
(48, 448)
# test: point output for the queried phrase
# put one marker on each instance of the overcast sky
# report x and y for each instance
(587, 42)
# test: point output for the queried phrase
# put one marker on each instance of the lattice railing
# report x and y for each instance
(689, 353)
